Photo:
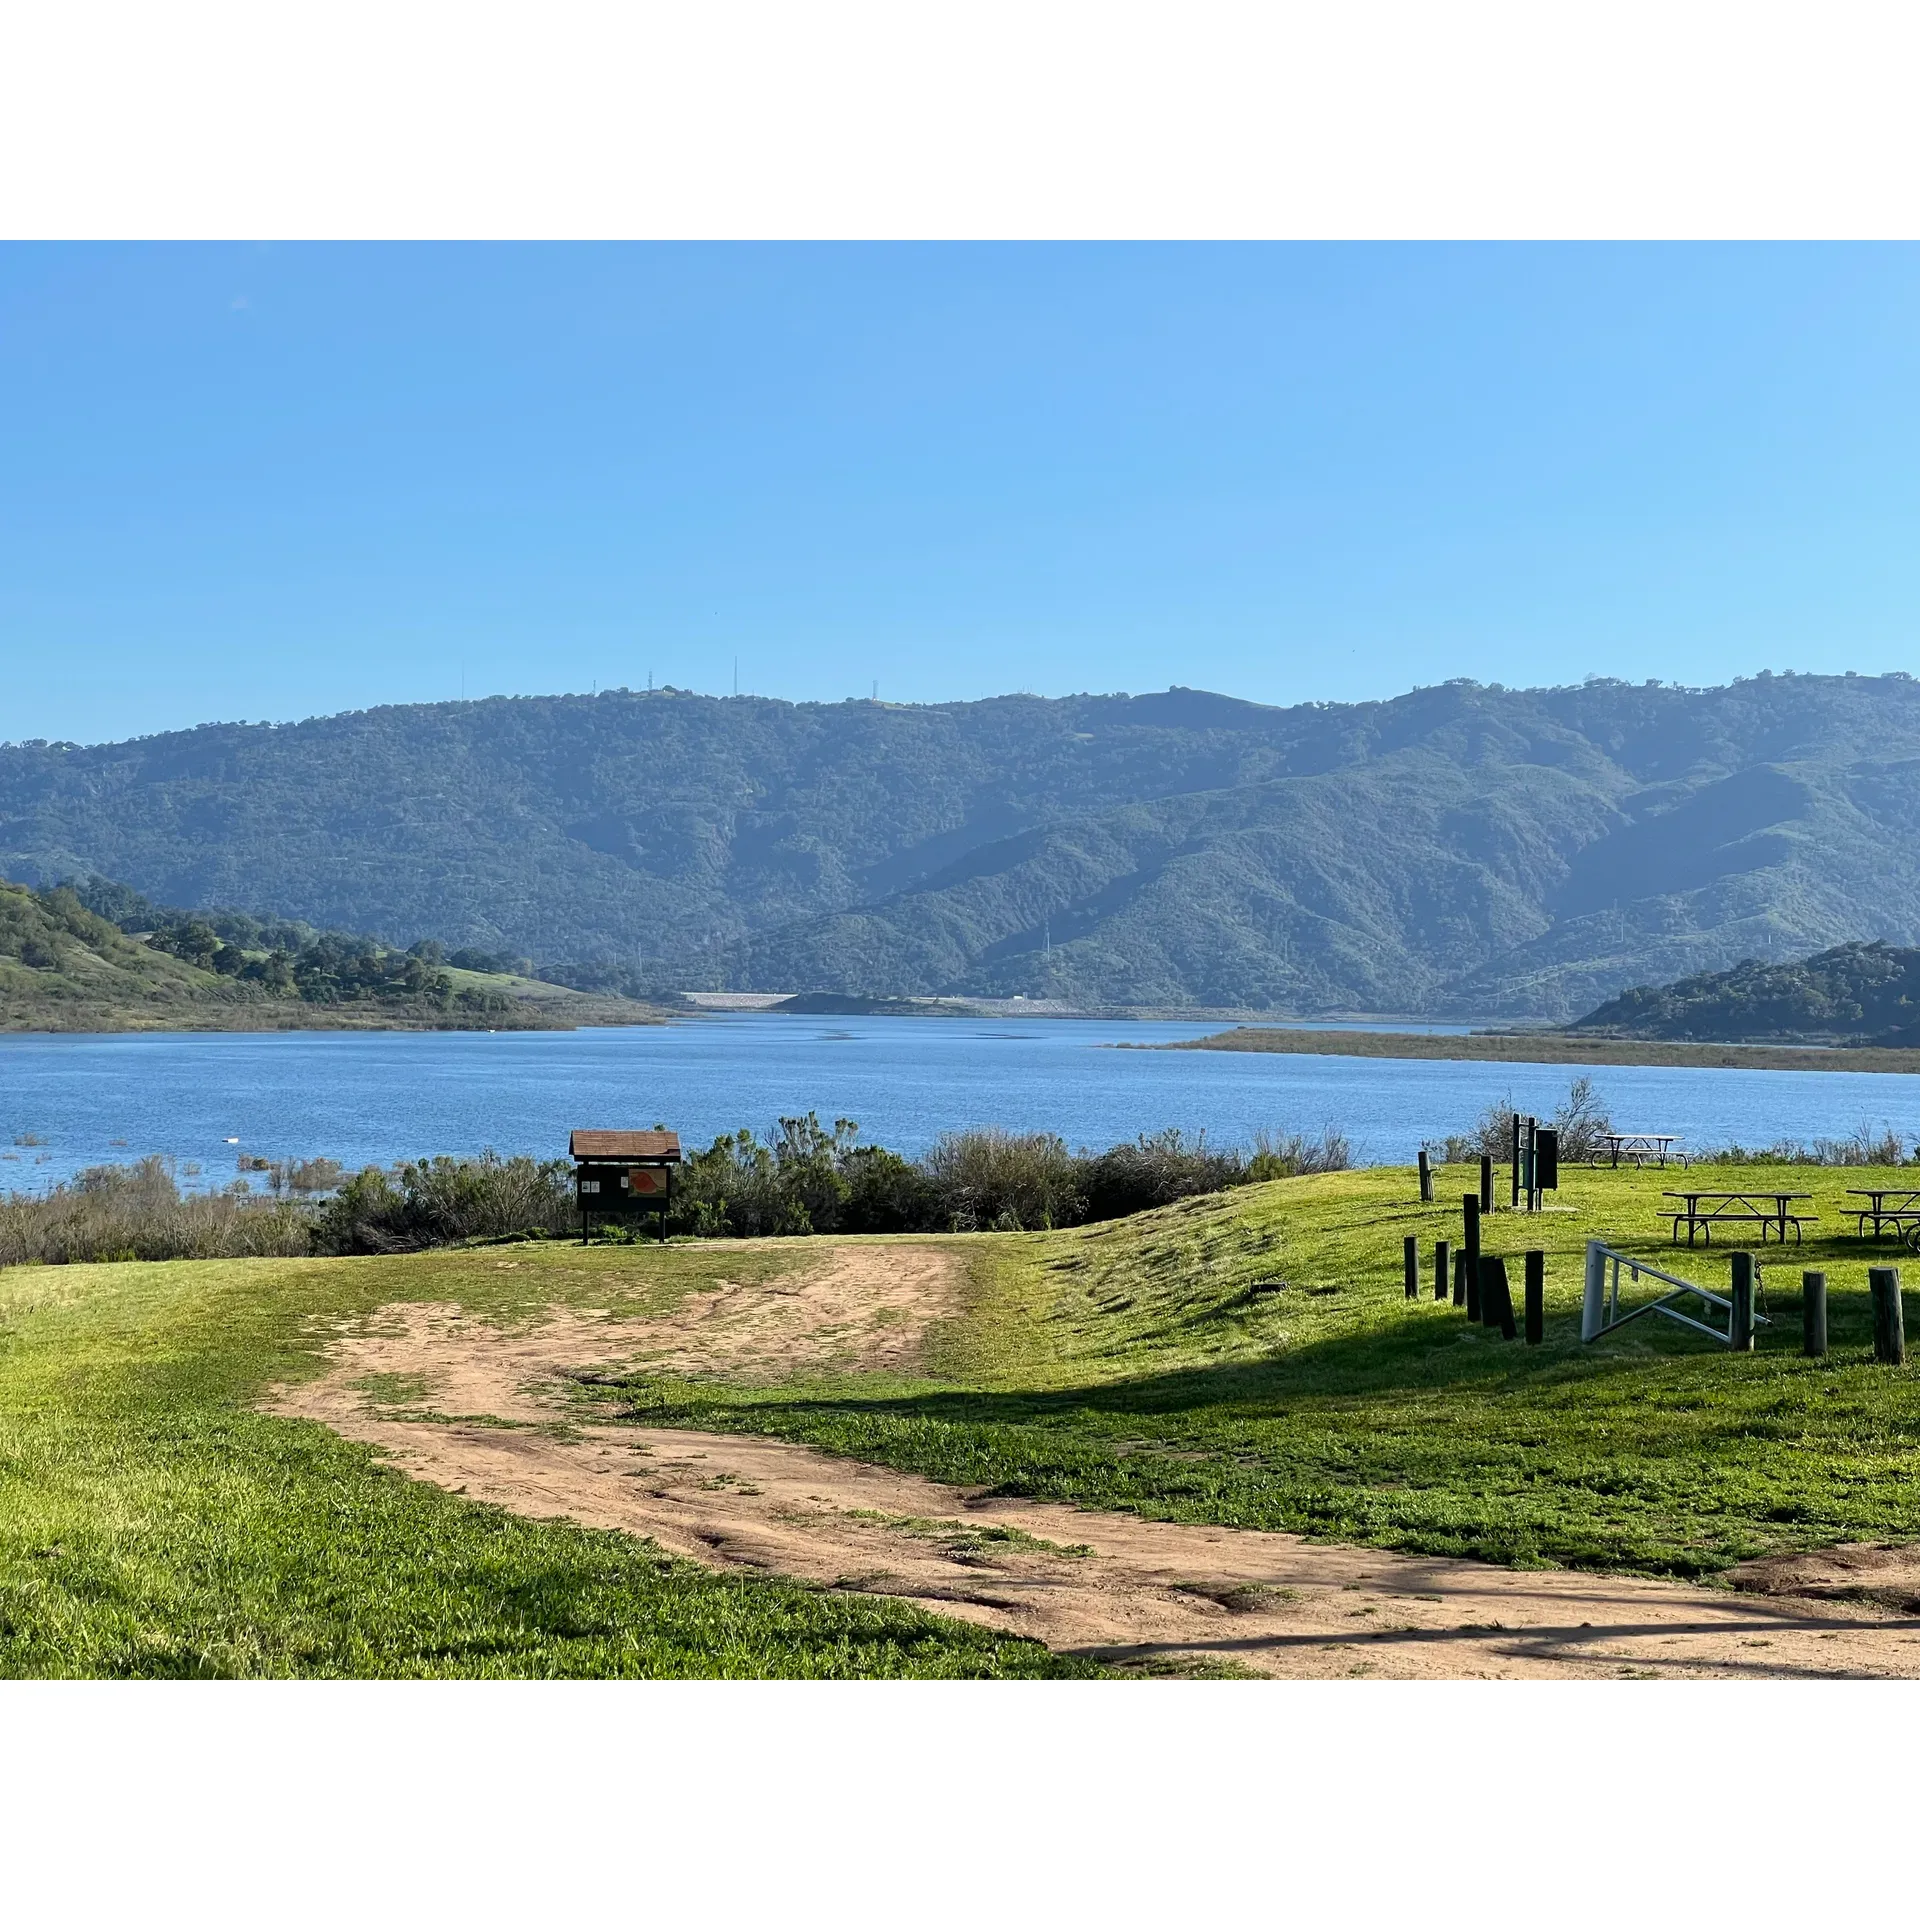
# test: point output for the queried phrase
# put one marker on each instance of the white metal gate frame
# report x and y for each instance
(1600, 1310)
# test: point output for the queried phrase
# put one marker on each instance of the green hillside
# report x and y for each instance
(1861, 994)
(1462, 849)
(61, 966)
(66, 968)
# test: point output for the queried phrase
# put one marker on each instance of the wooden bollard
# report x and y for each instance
(1496, 1301)
(1813, 1314)
(1536, 1296)
(1470, 1253)
(1440, 1251)
(1486, 1183)
(1740, 1328)
(1411, 1251)
(1889, 1320)
(1426, 1178)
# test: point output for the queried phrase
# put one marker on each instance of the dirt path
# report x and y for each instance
(1119, 1587)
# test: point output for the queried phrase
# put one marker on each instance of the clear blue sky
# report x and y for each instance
(261, 482)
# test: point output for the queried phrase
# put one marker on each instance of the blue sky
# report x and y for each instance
(243, 482)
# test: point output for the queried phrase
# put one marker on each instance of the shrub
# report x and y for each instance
(887, 1193)
(990, 1180)
(1861, 1148)
(305, 1176)
(139, 1213)
(1581, 1121)
(1154, 1171)
(430, 1203)
(733, 1188)
(1281, 1156)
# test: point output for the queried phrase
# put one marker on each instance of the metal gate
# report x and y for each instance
(1693, 1306)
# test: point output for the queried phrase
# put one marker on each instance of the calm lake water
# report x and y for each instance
(385, 1096)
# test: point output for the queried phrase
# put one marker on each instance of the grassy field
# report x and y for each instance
(153, 1523)
(1133, 1365)
(1246, 1358)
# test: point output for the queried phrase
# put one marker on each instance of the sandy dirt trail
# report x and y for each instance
(500, 1426)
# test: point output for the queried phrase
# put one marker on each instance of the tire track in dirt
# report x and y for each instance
(491, 1418)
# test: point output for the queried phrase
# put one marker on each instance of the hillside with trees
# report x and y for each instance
(1463, 849)
(1864, 994)
(99, 957)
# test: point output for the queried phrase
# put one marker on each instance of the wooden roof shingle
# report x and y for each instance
(614, 1143)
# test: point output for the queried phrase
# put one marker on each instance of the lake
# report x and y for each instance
(361, 1097)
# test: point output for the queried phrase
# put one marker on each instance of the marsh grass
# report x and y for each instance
(138, 1212)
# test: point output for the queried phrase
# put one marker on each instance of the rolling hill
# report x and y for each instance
(1462, 849)
(1861, 994)
(66, 968)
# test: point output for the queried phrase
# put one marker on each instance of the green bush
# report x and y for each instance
(430, 1203)
(988, 1179)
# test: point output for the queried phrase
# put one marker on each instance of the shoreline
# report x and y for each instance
(115, 1020)
(1547, 1050)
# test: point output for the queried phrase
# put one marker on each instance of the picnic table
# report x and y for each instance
(1639, 1148)
(1903, 1215)
(1701, 1212)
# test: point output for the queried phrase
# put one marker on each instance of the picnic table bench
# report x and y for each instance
(1701, 1212)
(1903, 1215)
(1638, 1148)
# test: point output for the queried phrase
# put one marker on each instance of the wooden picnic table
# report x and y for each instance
(1639, 1148)
(1703, 1211)
(1903, 1216)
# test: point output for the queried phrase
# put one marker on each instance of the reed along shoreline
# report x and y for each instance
(1546, 1049)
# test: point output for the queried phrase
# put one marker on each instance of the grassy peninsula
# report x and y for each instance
(1552, 1047)
(67, 968)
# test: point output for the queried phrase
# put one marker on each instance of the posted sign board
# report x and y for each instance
(618, 1172)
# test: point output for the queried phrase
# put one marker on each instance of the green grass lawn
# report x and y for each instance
(153, 1523)
(1131, 1366)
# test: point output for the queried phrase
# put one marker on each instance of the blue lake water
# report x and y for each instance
(364, 1097)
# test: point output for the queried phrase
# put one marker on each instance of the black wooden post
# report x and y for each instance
(1470, 1251)
(1486, 1183)
(1411, 1253)
(1741, 1328)
(1536, 1296)
(1426, 1178)
(1440, 1251)
(1889, 1320)
(1496, 1300)
(1813, 1314)
(1513, 1171)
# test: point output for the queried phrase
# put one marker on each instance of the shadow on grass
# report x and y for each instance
(1657, 1452)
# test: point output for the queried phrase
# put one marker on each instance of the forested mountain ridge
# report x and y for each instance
(1461, 848)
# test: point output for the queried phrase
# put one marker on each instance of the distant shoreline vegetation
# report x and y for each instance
(1551, 1048)
(94, 956)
